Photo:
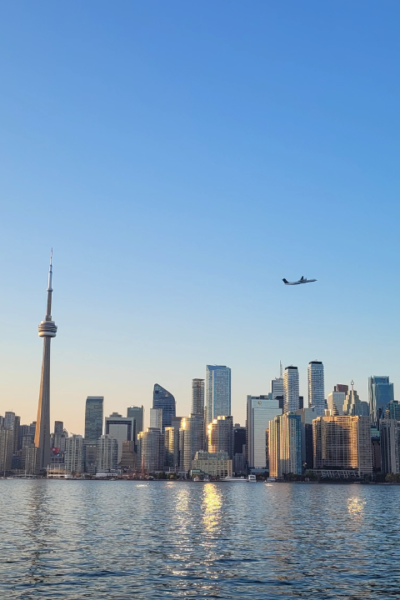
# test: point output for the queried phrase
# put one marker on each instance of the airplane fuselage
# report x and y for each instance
(302, 280)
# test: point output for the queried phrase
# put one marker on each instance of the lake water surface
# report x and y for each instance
(122, 540)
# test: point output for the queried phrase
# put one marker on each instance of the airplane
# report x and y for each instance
(302, 280)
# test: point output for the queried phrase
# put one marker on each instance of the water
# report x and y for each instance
(122, 540)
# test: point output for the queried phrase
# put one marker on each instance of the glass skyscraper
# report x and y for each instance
(380, 392)
(218, 392)
(93, 418)
(316, 387)
(260, 411)
(166, 401)
(291, 389)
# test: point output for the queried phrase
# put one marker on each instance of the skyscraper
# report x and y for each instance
(166, 401)
(107, 453)
(285, 445)
(151, 449)
(277, 390)
(218, 391)
(47, 330)
(316, 387)
(197, 397)
(260, 411)
(220, 435)
(137, 413)
(291, 389)
(353, 405)
(380, 392)
(390, 445)
(74, 454)
(191, 439)
(120, 428)
(93, 418)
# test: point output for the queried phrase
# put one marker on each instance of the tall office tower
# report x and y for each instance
(191, 440)
(307, 415)
(220, 435)
(47, 330)
(137, 413)
(107, 454)
(169, 445)
(74, 454)
(90, 457)
(12, 422)
(166, 401)
(151, 448)
(316, 387)
(198, 397)
(218, 392)
(393, 411)
(128, 460)
(93, 418)
(24, 435)
(32, 428)
(239, 449)
(380, 392)
(260, 411)
(58, 437)
(291, 389)
(353, 405)
(9, 420)
(176, 425)
(121, 429)
(340, 387)
(335, 402)
(277, 392)
(6, 449)
(29, 459)
(390, 445)
(342, 443)
(156, 418)
(1, 421)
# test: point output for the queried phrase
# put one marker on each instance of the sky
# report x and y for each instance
(181, 159)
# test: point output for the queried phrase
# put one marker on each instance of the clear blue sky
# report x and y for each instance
(183, 157)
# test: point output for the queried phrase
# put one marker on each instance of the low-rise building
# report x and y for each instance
(214, 464)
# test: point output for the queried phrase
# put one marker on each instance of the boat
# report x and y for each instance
(251, 479)
(270, 479)
(242, 479)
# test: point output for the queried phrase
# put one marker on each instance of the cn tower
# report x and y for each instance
(47, 330)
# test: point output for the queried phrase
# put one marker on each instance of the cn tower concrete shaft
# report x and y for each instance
(47, 330)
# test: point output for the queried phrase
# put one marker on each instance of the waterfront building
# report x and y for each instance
(389, 430)
(151, 449)
(74, 454)
(353, 405)
(47, 330)
(12, 422)
(128, 461)
(316, 387)
(381, 393)
(220, 435)
(393, 411)
(107, 454)
(291, 389)
(213, 464)
(376, 449)
(218, 392)
(94, 418)
(335, 402)
(121, 429)
(285, 445)
(6, 449)
(342, 443)
(307, 415)
(260, 410)
(166, 401)
(171, 445)
(156, 418)
(239, 449)
(191, 439)
(90, 455)
(197, 397)
(29, 459)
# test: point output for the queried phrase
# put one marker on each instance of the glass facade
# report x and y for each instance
(166, 401)
(94, 418)
(260, 411)
(380, 392)
(218, 392)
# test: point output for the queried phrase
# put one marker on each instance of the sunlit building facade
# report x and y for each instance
(260, 410)
(220, 435)
(316, 386)
(218, 391)
(151, 450)
(389, 430)
(291, 389)
(74, 454)
(381, 393)
(213, 464)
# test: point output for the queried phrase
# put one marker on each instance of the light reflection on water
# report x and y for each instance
(118, 540)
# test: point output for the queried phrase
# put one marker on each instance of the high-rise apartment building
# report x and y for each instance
(121, 429)
(47, 330)
(6, 449)
(390, 445)
(74, 454)
(218, 391)
(152, 450)
(277, 392)
(291, 389)
(285, 445)
(220, 435)
(93, 418)
(171, 445)
(164, 400)
(191, 439)
(137, 413)
(107, 454)
(316, 387)
(197, 397)
(239, 449)
(393, 411)
(260, 410)
(342, 443)
(307, 415)
(380, 392)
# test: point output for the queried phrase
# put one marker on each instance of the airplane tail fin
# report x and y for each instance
(284, 280)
